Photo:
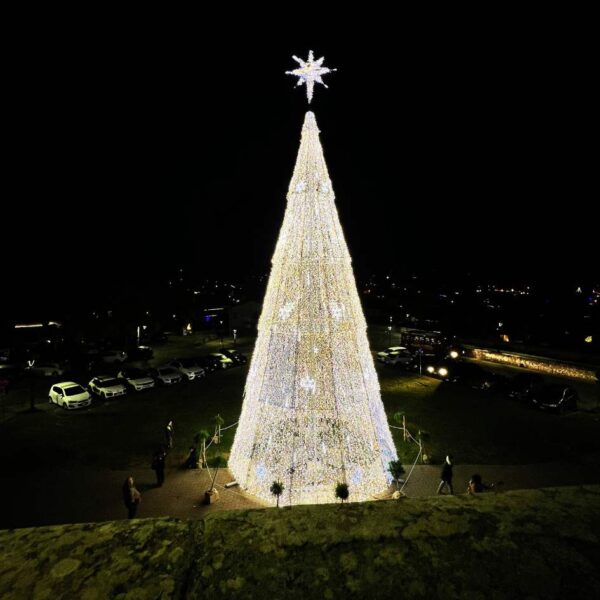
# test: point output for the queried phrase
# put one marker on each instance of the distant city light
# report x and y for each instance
(37, 325)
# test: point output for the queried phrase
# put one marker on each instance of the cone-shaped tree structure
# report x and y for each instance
(312, 414)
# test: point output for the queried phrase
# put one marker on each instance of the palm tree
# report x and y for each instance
(277, 489)
(396, 471)
(218, 421)
(342, 492)
(203, 436)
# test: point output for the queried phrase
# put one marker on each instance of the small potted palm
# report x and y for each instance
(396, 471)
(342, 492)
(212, 495)
(277, 489)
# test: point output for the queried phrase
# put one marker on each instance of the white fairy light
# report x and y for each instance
(310, 72)
(300, 186)
(312, 413)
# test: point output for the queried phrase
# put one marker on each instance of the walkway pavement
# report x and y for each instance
(45, 498)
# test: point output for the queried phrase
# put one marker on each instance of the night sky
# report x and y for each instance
(469, 152)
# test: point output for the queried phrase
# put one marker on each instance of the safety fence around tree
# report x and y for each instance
(407, 435)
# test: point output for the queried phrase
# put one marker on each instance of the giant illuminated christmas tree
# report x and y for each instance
(312, 414)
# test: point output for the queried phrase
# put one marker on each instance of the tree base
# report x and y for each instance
(211, 496)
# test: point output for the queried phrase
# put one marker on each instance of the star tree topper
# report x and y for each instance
(310, 72)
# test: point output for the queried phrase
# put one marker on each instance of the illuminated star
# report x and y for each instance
(310, 72)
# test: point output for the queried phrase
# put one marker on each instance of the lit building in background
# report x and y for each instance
(312, 414)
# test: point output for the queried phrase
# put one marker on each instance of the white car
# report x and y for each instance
(402, 357)
(188, 367)
(166, 375)
(47, 369)
(225, 361)
(136, 379)
(382, 356)
(107, 386)
(110, 357)
(69, 395)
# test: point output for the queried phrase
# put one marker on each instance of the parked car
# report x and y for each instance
(237, 357)
(47, 369)
(210, 364)
(69, 395)
(521, 387)
(555, 397)
(8, 375)
(136, 379)
(140, 353)
(159, 338)
(166, 375)
(107, 386)
(402, 358)
(111, 357)
(224, 360)
(382, 356)
(188, 367)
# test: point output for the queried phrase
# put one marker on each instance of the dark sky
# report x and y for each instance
(472, 151)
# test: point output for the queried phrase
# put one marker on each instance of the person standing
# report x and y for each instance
(131, 497)
(158, 466)
(446, 476)
(169, 434)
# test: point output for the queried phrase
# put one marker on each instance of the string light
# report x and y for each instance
(312, 414)
(542, 366)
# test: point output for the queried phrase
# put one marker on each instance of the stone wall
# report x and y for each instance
(524, 544)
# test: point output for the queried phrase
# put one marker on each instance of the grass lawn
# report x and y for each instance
(475, 427)
(481, 428)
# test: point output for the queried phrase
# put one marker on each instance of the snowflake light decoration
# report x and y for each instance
(286, 311)
(310, 72)
(309, 384)
(337, 310)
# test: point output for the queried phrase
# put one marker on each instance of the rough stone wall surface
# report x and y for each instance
(141, 559)
(523, 544)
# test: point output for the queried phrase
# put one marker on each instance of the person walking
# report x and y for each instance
(192, 459)
(446, 476)
(158, 466)
(131, 497)
(169, 434)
